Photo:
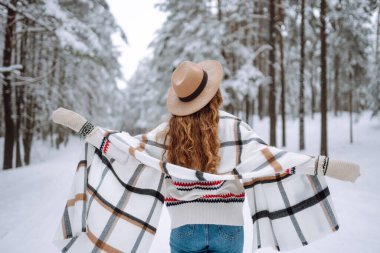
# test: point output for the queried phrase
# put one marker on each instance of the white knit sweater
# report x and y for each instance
(210, 202)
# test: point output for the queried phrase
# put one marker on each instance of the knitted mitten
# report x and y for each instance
(338, 169)
(72, 120)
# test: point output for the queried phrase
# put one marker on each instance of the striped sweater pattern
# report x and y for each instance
(209, 187)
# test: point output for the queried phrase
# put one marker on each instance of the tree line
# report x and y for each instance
(54, 53)
(281, 58)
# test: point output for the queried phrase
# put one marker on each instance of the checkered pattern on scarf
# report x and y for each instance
(114, 207)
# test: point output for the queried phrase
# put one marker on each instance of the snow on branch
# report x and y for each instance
(26, 15)
(72, 32)
(11, 68)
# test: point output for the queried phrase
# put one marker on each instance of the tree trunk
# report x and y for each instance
(19, 99)
(29, 126)
(336, 86)
(350, 108)
(20, 90)
(323, 80)
(30, 99)
(219, 10)
(55, 81)
(302, 85)
(260, 99)
(7, 89)
(253, 111)
(378, 38)
(247, 109)
(272, 91)
(313, 91)
(258, 10)
(62, 81)
(220, 18)
(313, 94)
(283, 86)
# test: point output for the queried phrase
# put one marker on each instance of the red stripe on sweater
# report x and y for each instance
(106, 146)
(207, 183)
(227, 195)
(213, 196)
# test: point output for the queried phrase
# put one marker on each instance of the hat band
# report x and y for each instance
(198, 91)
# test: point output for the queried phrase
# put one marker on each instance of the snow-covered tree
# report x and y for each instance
(190, 32)
(373, 94)
(67, 59)
(199, 30)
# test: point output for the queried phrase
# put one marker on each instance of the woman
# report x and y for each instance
(191, 134)
(206, 216)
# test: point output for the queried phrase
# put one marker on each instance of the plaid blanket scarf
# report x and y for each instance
(116, 207)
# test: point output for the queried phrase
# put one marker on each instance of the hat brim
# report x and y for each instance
(214, 72)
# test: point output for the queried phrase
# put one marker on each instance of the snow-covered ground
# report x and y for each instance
(33, 197)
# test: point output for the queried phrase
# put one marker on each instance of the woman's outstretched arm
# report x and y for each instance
(281, 160)
(92, 134)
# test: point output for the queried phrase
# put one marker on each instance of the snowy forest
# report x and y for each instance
(282, 59)
(304, 74)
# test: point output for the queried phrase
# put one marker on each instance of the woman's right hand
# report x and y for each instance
(69, 119)
(94, 135)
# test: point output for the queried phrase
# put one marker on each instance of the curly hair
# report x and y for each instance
(193, 140)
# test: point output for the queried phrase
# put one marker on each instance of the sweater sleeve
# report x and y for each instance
(314, 166)
(120, 145)
(256, 154)
(323, 165)
(307, 167)
(115, 150)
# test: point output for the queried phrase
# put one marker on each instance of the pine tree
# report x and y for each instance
(323, 35)
(272, 74)
(302, 85)
(7, 88)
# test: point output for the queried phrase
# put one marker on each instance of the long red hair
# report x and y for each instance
(192, 140)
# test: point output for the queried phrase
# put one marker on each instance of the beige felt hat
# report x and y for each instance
(193, 86)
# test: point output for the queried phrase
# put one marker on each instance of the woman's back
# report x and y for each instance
(205, 202)
(196, 138)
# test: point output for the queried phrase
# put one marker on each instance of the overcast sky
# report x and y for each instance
(140, 20)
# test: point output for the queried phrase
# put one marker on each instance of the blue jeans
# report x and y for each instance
(205, 238)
